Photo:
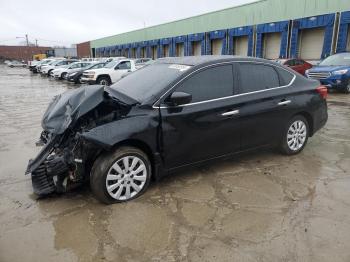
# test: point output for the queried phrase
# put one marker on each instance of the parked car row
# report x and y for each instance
(333, 72)
(91, 71)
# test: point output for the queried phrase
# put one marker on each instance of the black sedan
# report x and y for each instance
(172, 114)
(75, 77)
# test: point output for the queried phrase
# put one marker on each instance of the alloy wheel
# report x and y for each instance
(296, 135)
(126, 178)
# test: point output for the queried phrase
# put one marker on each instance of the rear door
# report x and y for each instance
(205, 128)
(264, 103)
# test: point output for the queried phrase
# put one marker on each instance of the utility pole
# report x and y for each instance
(27, 40)
(36, 42)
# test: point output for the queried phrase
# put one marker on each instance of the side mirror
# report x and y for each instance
(179, 98)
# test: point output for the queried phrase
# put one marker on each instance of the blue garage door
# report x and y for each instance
(343, 43)
(267, 37)
(166, 47)
(154, 49)
(216, 43)
(241, 41)
(196, 44)
(180, 46)
(98, 52)
(118, 50)
(142, 49)
(322, 23)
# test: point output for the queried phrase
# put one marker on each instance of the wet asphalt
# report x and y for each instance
(260, 206)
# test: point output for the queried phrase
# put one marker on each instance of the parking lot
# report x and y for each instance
(261, 206)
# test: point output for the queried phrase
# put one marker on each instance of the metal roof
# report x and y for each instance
(263, 11)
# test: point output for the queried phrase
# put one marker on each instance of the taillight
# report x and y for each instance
(323, 91)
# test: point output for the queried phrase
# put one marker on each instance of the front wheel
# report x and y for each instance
(120, 176)
(63, 75)
(105, 81)
(295, 136)
(78, 81)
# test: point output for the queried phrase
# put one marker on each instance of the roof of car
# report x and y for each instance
(198, 60)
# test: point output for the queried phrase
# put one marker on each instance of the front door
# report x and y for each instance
(121, 69)
(205, 128)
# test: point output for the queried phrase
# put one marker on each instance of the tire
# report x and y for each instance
(63, 75)
(346, 89)
(105, 172)
(78, 81)
(103, 80)
(295, 137)
(49, 72)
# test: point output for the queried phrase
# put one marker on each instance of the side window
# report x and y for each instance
(124, 65)
(256, 77)
(209, 84)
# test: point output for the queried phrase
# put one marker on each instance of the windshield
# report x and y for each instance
(337, 60)
(111, 64)
(146, 82)
(96, 66)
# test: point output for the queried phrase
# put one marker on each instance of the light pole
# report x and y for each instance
(26, 38)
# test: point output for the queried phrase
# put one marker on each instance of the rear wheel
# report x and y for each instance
(295, 136)
(103, 80)
(346, 89)
(120, 176)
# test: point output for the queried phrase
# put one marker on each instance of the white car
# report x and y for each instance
(62, 72)
(110, 73)
(42, 63)
(47, 69)
(16, 64)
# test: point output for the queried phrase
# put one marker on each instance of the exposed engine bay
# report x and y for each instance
(66, 157)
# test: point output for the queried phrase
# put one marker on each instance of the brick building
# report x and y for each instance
(83, 49)
(21, 52)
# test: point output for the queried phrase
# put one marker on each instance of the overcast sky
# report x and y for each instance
(67, 22)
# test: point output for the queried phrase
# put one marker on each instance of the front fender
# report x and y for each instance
(142, 128)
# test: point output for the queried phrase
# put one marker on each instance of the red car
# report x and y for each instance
(298, 65)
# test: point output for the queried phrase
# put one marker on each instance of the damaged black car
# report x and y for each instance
(169, 115)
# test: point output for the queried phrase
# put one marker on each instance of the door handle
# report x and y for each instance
(230, 113)
(284, 102)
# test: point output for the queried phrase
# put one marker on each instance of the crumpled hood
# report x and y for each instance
(66, 108)
(327, 68)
